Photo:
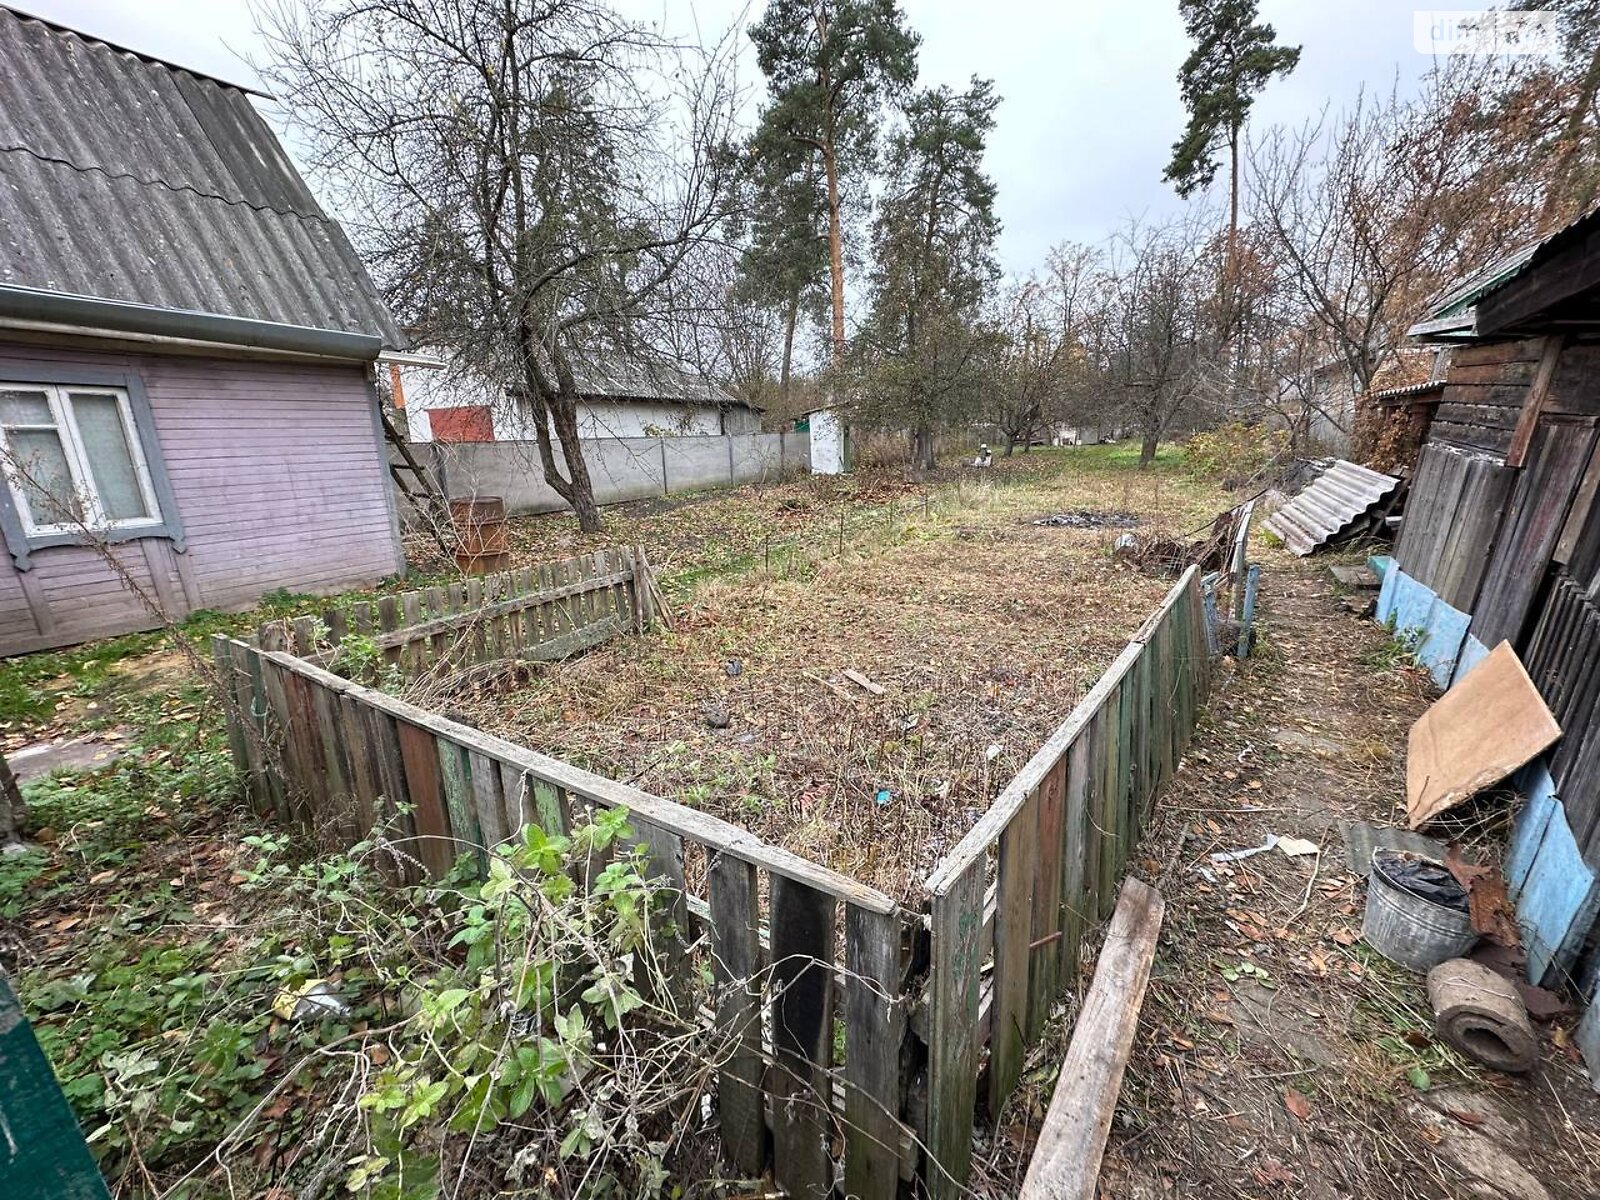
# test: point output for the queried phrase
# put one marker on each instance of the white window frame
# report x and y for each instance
(79, 467)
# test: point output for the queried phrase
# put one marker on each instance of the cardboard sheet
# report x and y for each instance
(1492, 722)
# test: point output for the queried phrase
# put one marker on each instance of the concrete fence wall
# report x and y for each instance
(621, 468)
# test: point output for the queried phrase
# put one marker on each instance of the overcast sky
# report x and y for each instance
(1090, 106)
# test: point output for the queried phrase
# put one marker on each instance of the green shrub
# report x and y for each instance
(1235, 453)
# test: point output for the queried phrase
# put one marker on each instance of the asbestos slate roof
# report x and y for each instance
(615, 377)
(1336, 504)
(128, 179)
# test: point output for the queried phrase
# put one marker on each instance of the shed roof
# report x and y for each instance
(1455, 316)
(623, 377)
(128, 180)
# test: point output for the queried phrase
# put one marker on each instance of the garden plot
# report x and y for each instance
(863, 709)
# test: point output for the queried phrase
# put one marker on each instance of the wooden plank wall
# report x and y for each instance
(546, 611)
(1563, 660)
(1059, 835)
(345, 759)
(1529, 535)
(1484, 393)
(1456, 503)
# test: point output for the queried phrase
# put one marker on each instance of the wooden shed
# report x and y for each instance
(187, 346)
(1503, 526)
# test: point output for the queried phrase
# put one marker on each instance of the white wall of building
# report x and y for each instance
(827, 442)
(425, 389)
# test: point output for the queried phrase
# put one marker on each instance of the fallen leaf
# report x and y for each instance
(1298, 1104)
(101, 877)
(1465, 1117)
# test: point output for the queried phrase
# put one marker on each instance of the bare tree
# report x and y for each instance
(1371, 213)
(1151, 338)
(527, 177)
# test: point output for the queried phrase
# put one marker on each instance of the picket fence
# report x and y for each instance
(798, 951)
(543, 612)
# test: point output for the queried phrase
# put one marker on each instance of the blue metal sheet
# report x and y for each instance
(1386, 594)
(1559, 896)
(1379, 565)
(1443, 634)
(1412, 603)
(1473, 652)
(1533, 782)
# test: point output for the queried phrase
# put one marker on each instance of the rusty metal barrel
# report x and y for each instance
(480, 525)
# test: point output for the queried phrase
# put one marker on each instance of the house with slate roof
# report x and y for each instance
(187, 350)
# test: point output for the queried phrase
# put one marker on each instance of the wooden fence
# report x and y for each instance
(323, 750)
(912, 1002)
(1042, 865)
(545, 612)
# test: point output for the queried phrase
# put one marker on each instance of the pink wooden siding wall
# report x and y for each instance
(279, 480)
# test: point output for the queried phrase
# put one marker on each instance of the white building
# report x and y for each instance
(621, 398)
(830, 442)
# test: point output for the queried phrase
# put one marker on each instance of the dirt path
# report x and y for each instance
(1277, 1054)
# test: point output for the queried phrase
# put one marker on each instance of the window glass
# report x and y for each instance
(25, 408)
(110, 458)
(40, 465)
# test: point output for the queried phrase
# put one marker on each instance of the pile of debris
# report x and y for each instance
(1157, 554)
(1083, 518)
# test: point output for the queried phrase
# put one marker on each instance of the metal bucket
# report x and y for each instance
(1415, 931)
(480, 525)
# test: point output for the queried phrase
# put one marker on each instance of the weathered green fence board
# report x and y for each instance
(1045, 956)
(736, 970)
(953, 1030)
(802, 1038)
(874, 1024)
(1013, 932)
(1076, 904)
(43, 1155)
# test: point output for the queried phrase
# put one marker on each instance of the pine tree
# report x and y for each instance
(1233, 59)
(830, 67)
(925, 347)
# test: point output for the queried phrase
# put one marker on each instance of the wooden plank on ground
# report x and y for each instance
(802, 941)
(1072, 1141)
(953, 1047)
(874, 1027)
(736, 969)
(1020, 847)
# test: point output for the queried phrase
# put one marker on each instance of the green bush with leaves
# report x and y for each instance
(1236, 453)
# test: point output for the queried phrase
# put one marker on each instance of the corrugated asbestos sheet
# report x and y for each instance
(618, 377)
(1340, 503)
(127, 179)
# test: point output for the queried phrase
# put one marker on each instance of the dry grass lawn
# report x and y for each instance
(982, 629)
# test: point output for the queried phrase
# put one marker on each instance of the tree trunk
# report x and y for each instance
(830, 168)
(1147, 450)
(1011, 443)
(555, 403)
(922, 448)
(13, 812)
(791, 318)
(565, 413)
